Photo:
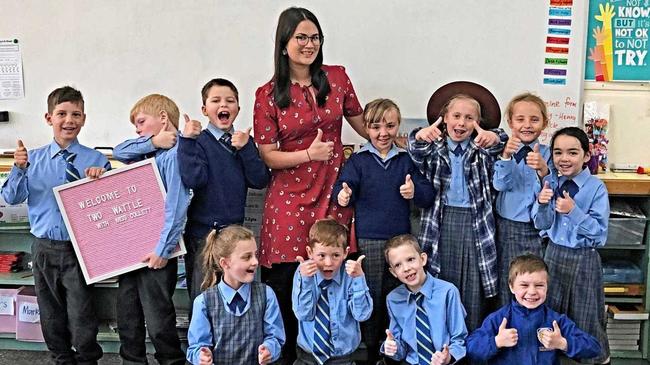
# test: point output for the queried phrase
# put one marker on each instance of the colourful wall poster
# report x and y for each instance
(617, 43)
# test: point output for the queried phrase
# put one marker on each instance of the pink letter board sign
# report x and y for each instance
(116, 220)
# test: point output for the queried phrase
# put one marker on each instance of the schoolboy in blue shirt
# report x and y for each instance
(146, 294)
(427, 318)
(527, 330)
(517, 177)
(68, 319)
(329, 302)
(219, 164)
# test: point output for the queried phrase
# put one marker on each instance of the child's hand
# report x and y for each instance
(390, 345)
(536, 161)
(484, 139)
(192, 127)
(511, 147)
(319, 150)
(353, 268)
(507, 337)
(344, 195)
(20, 155)
(564, 205)
(430, 133)
(441, 357)
(307, 268)
(94, 172)
(239, 138)
(408, 188)
(546, 194)
(553, 339)
(164, 139)
(154, 261)
(263, 355)
(205, 356)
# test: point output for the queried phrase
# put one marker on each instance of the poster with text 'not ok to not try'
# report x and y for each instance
(116, 220)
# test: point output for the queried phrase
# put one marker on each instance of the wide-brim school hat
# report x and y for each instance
(490, 111)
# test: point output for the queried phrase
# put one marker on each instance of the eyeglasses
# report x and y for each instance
(303, 39)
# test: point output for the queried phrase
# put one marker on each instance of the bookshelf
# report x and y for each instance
(633, 188)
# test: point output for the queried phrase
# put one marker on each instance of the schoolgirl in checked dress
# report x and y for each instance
(572, 210)
(457, 233)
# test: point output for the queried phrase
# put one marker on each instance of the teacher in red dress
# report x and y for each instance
(297, 118)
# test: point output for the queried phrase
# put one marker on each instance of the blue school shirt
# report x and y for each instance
(199, 333)
(45, 171)
(518, 185)
(457, 194)
(178, 196)
(446, 319)
(586, 224)
(481, 345)
(349, 302)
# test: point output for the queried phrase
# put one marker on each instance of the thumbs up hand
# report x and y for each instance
(507, 337)
(205, 356)
(192, 127)
(408, 188)
(20, 155)
(441, 357)
(308, 268)
(546, 194)
(354, 268)
(320, 150)
(164, 139)
(390, 345)
(240, 138)
(565, 203)
(430, 133)
(511, 147)
(484, 139)
(344, 195)
(553, 339)
(536, 161)
(263, 355)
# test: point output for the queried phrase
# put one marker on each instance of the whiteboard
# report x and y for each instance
(117, 51)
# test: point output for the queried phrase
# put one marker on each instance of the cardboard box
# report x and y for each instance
(8, 309)
(28, 319)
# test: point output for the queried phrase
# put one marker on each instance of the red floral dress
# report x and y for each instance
(298, 196)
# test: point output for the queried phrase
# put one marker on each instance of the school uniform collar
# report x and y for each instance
(525, 311)
(55, 149)
(394, 151)
(426, 289)
(338, 277)
(579, 179)
(216, 132)
(229, 293)
(451, 145)
(531, 145)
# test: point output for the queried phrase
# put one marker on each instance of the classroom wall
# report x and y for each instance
(118, 51)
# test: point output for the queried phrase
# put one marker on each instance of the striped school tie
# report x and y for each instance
(423, 332)
(322, 347)
(71, 172)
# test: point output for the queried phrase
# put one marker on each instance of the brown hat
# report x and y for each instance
(491, 113)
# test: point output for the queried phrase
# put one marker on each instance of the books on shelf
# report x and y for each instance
(625, 311)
